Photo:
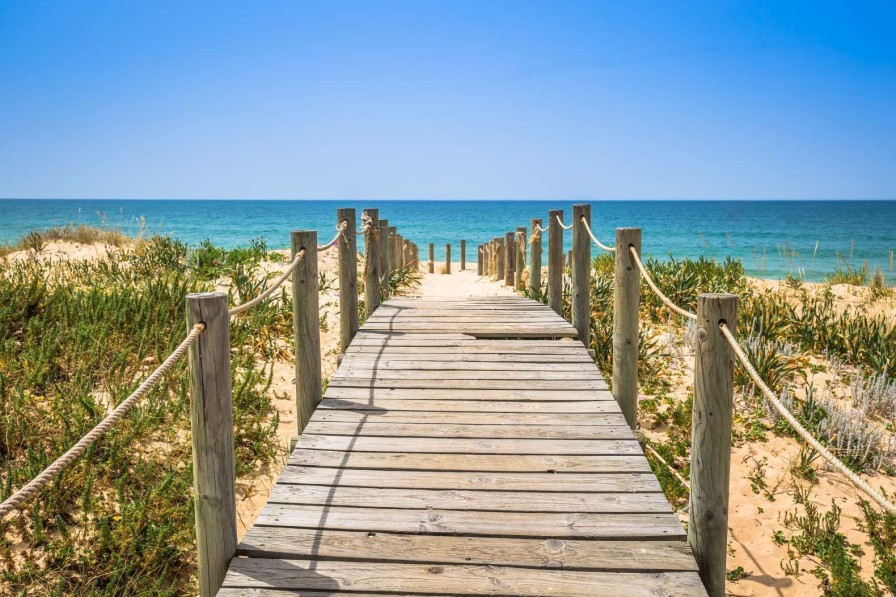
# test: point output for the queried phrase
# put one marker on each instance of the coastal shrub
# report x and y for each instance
(75, 339)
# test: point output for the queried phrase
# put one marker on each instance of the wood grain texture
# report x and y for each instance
(626, 304)
(535, 259)
(211, 425)
(443, 462)
(581, 272)
(306, 326)
(347, 249)
(372, 274)
(555, 261)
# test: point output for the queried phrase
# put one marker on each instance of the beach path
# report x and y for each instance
(466, 445)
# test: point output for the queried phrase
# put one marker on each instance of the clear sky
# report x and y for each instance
(421, 99)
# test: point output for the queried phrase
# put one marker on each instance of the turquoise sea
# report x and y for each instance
(772, 238)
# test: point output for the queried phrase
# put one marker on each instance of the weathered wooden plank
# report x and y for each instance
(495, 523)
(460, 418)
(466, 462)
(365, 367)
(368, 393)
(521, 373)
(566, 554)
(416, 356)
(453, 579)
(433, 405)
(436, 445)
(472, 384)
(458, 499)
(369, 428)
(582, 482)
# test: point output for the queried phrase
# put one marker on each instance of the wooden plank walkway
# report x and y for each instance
(466, 447)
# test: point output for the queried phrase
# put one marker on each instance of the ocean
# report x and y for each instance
(771, 238)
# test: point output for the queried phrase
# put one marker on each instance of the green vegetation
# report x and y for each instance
(75, 339)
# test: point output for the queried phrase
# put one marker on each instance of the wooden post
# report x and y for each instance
(535, 260)
(447, 259)
(371, 262)
(306, 325)
(393, 252)
(347, 249)
(499, 259)
(211, 423)
(626, 302)
(509, 258)
(520, 258)
(711, 439)
(555, 261)
(463, 255)
(581, 273)
(479, 260)
(385, 270)
(432, 258)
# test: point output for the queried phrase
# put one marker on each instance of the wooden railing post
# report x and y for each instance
(711, 439)
(509, 258)
(499, 259)
(372, 262)
(211, 424)
(463, 255)
(306, 325)
(479, 260)
(535, 259)
(555, 261)
(393, 248)
(581, 273)
(447, 259)
(626, 302)
(520, 258)
(432, 258)
(347, 249)
(385, 270)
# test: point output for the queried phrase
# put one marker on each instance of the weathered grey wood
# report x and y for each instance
(365, 391)
(483, 500)
(385, 269)
(569, 554)
(535, 259)
(469, 431)
(626, 305)
(211, 424)
(597, 525)
(500, 261)
(372, 250)
(581, 274)
(509, 258)
(447, 259)
(462, 462)
(390, 578)
(392, 237)
(479, 260)
(348, 278)
(448, 480)
(711, 439)
(469, 406)
(463, 255)
(520, 259)
(432, 258)
(555, 261)
(461, 418)
(306, 326)
(372, 443)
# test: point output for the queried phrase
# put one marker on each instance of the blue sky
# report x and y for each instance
(485, 99)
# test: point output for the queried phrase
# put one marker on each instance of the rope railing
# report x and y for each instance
(779, 406)
(666, 301)
(267, 293)
(562, 225)
(339, 230)
(594, 239)
(798, 427)
(31, 489)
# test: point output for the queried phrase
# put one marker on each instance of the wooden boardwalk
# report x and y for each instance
(466, 447)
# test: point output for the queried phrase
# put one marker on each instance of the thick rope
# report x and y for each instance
(562, 225)
(267, 293)
(31, 489)
(674, 472)
(593, 238)
(663, 297)
(801, 431)
(339, 230)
